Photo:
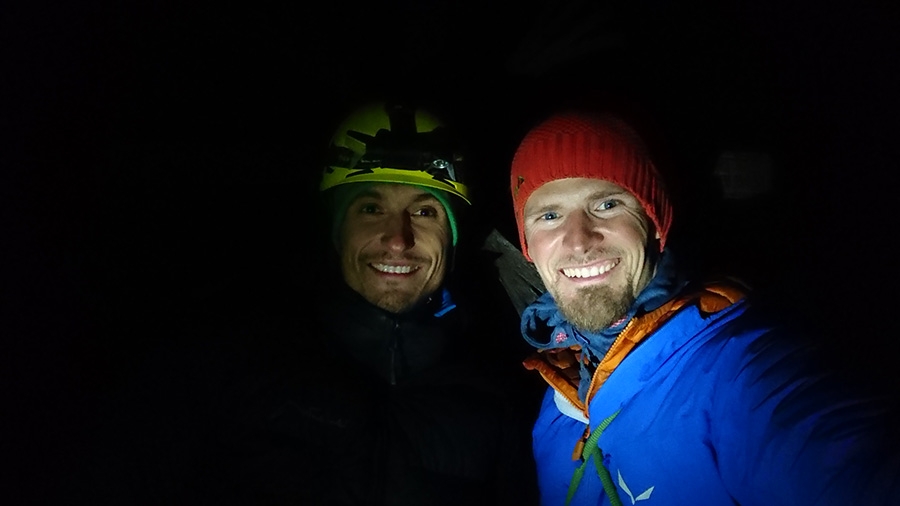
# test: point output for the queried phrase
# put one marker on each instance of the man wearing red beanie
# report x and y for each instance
(663, 390)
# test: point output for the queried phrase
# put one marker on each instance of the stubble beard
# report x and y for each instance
(393, 296)
(395, 301)
(595, 308)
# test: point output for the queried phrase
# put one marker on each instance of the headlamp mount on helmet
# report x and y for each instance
(394, 144)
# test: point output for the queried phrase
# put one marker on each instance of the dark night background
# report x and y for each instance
(156, 156)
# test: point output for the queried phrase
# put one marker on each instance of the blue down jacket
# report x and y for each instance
(703, 405)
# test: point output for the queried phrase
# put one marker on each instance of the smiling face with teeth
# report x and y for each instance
(589, 240)
(394, 244)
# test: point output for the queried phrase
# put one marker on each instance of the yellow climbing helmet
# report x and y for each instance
(392, 143)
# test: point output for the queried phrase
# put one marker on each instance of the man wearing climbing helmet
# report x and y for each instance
(393, 191)
(368, 381)
(385, 391)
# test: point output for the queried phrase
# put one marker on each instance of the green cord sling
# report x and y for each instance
(591, 450)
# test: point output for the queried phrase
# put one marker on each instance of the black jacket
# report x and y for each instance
(369, 407)
(339, 403)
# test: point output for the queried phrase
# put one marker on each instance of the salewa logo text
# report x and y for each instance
(642, 496)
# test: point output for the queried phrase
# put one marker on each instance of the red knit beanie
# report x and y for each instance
(597, 146)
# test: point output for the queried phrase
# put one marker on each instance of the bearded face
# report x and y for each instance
(594, 308)
(589, 241)
(394, 245)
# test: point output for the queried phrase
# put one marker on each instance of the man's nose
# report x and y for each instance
(582, 231)
(398, 233)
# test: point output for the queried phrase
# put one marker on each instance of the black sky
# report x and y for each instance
(156, 153)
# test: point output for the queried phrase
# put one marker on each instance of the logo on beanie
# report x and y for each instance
(519, 181)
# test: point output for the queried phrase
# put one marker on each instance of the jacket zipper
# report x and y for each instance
(393, 347)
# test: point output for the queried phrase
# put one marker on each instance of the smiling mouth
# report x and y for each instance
(589, 272)
(394, 269)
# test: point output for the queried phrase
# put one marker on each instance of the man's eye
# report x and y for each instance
(425, 211)
(607, 204)
(368, 209)
(549, 216)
